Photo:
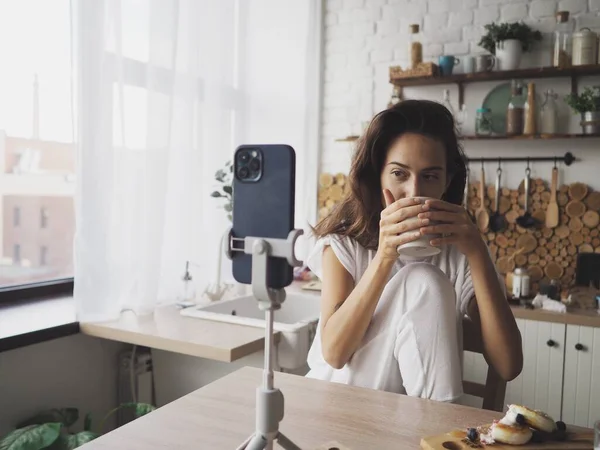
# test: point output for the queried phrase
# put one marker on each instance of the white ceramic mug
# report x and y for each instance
(468, 64)
(419, 248)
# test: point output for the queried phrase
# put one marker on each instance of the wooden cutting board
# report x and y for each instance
(455, 440)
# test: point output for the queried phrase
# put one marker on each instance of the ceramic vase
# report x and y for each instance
(508, 54)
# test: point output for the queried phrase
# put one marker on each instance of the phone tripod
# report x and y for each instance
(269, 399)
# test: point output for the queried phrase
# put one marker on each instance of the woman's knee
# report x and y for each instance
(425, 274)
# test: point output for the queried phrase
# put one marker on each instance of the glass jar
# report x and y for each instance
(561, 45)
(585, 47)
(549, 113)
(483, 122)
(415, 49)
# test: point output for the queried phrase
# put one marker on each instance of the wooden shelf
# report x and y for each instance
(506, 138)
(348, 139)
(538, 72)
(529, 138)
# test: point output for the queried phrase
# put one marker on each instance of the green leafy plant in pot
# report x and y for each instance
(587, 104)
(224, 177)
(508, 41)
(51, 429)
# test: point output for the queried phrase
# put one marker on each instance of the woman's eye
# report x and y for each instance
(398, 173)
(431, 176)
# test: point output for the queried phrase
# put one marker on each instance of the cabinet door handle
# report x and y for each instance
(579, 347)
(551, 343)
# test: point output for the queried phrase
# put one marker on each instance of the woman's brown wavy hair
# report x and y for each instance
(358, 215)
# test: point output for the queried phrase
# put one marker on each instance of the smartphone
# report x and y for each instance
(263, 206)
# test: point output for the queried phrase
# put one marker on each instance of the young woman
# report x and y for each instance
(394, 323)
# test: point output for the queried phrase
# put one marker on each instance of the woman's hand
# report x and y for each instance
(454, 225)
(394, 228)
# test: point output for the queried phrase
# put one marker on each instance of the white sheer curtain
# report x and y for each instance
(165, 91)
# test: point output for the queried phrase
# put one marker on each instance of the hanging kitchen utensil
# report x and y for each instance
(482, 216)
(497, 221)
(527, 220)
(552, 215)
(466, 197)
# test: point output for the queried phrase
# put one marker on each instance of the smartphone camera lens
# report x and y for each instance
(244, 157)
(243, 173)
(254, 165)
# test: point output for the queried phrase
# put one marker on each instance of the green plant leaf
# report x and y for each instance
(227, 189)
(216, 194)
(500, 32)
(141, 409)
(66, 416)
(87, 422)
(227, 207)
(77, 440)
(31, 437)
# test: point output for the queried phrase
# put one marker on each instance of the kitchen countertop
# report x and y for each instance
(166, 329)
(588, 318)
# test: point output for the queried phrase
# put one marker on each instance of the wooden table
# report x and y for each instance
(221, 416)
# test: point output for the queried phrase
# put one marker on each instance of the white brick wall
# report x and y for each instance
(363, 38)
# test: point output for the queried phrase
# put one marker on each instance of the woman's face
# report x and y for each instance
(415, 166)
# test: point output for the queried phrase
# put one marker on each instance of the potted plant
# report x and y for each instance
(225, 177)
(52, 429)
(508, 41)
(587, 104)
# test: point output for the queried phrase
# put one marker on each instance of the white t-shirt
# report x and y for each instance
(355, 258)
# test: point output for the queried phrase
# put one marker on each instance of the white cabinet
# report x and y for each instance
(581, 387)
(540, 383)
(561, 372)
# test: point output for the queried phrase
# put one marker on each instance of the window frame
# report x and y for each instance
(37, 291)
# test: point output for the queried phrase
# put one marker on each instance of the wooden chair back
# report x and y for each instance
(494, 389)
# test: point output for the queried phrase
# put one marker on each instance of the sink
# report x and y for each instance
(296, 321)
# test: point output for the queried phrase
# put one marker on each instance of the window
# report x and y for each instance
(37, 156)
(43, 218)
(16, 216)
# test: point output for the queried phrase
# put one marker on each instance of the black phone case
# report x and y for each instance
(265, 208)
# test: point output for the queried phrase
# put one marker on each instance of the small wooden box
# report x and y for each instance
(424, 69)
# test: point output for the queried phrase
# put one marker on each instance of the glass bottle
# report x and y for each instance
(461, 118)
(561, 45)
(549, 113)
(515, 114)
(415, 49)
(446, 102)
(530, 127)
(396, 96)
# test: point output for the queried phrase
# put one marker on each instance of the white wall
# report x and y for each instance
(363, 38)
(74, 371)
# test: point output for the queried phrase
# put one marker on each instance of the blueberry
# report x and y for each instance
(520, 419)
(472, 434)
(537, 437)
(561, 426)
